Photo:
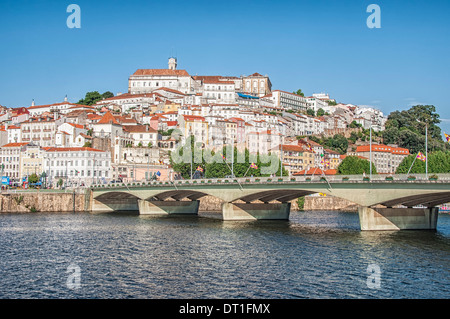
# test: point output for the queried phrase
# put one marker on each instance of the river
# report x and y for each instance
(313, 255)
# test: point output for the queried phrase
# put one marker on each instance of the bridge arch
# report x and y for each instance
(115, 201)
(280, 195)
(178, 195)
(428, 200)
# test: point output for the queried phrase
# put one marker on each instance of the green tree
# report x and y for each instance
(299, 92)
(93, 97)
(438, 162)
(107, 95)
(407, 129)
(354, 125)
(87, 144)
(33, 178)
(320, 112)
(310, 112)
(331, 102)
(338, 143)
(353, 137)
(353, 165)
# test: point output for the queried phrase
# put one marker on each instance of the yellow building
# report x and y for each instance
(170, 107)
(296, 158)
(196, 126)
(31, 161)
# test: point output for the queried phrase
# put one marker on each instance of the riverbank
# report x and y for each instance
(32, 202)
(29, 202)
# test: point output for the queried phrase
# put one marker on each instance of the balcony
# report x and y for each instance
(46, 130)
(26, 131)
(36, 130)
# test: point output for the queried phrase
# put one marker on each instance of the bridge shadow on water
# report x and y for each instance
(301, 222)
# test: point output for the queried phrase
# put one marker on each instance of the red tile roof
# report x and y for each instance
(161, 72)
(139, 129)
(108, 118)
(14, 144)
(382, 148)
(316, 171)
(73, 149)
(193, 118)
(76, 125)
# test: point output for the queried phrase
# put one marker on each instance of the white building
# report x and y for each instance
(148, 80)
(10, 160)
(143, 135)
(77, 166)
(216, 91)
(262, 142)
(289, 101)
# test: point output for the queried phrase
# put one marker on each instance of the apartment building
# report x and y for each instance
(77, 166)
(385, 158)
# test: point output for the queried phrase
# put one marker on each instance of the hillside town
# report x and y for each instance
(129, 137)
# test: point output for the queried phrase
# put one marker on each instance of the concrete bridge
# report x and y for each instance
(383, 204)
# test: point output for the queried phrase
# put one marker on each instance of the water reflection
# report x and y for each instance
(313, 255)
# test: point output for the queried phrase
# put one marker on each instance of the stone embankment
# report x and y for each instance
(42, 202)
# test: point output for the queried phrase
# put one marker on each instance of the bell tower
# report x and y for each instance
(172, 63)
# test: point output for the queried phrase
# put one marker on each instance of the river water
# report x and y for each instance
(313, 255)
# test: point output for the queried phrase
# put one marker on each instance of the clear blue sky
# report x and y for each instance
(315, 45)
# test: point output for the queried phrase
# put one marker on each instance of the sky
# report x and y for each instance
(319, 46)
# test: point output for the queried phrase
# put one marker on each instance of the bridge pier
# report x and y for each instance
(112, 206)
(398, 218)
(159, 207)
(249, 211)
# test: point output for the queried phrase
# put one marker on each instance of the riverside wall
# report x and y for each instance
(42, 202)
(69, 202)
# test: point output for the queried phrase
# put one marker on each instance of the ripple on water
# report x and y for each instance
(313, 255)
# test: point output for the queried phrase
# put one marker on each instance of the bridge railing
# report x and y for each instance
(411, 178)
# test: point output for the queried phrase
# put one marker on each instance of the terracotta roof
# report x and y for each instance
(292, 148)
(193, 118)
(76, 125)
(382, 148)
(172, 123)
(73, 149)
(108, 118)
(170, 90)
(85, 136)
(312, 143)
(55, 104)
(161, 72)
(327, 150)
(139, 129)
(14, 144)
(316, 171)
(129, 96)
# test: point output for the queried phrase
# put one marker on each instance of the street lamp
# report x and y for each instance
(370, 149)
(426, 147)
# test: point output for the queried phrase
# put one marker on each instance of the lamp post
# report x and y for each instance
(426, 150)
(370, 150)
(426, 147)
